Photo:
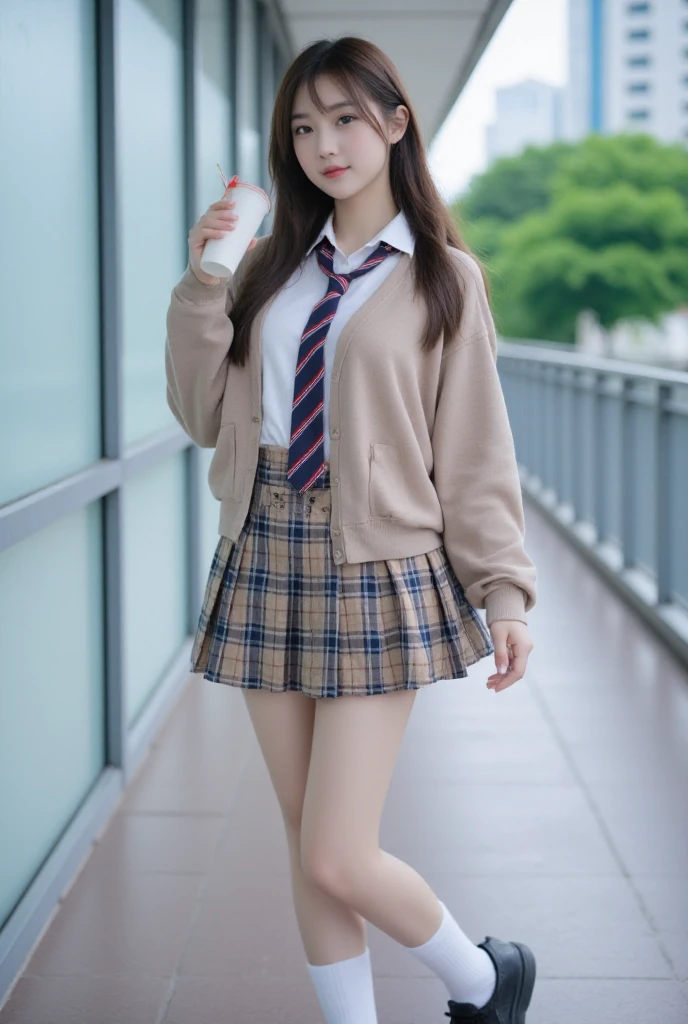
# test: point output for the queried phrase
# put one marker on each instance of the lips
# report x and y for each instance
(335, 173)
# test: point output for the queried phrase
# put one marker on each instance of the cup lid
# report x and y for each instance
(255, 188)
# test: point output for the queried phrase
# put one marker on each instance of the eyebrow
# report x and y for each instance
(335, 106)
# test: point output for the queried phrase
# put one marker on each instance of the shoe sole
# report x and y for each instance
(527, 982)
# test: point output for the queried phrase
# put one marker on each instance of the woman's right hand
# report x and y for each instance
(217, 220)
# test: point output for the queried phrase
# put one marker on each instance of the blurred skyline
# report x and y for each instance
(530, 43)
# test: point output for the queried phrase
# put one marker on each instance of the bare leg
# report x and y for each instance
(283, 723)
(356, 741)
(355, 745)
(331, 762)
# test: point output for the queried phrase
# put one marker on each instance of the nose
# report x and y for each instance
(326, 144)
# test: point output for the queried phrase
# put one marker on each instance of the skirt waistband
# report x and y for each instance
(272, 467)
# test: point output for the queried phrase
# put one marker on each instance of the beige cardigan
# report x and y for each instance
(421, 450)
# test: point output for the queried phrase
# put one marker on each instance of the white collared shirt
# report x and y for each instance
(288, 315)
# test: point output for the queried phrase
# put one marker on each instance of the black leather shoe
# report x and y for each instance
(515, 967)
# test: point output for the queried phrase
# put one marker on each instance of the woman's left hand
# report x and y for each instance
(512, 645)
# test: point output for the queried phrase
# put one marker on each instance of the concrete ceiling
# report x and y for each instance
(435, 45)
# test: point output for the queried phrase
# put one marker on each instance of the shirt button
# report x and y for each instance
(337, 554)
(256, 419)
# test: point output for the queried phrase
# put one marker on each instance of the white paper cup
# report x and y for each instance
(221, 256)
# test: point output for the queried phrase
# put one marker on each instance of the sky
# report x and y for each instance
(529, 43)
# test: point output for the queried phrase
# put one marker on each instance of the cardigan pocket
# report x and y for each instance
(388, 468)
(222, 475)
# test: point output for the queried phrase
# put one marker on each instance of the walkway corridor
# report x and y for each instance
(554, 813)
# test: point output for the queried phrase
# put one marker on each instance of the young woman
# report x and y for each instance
(370, 503)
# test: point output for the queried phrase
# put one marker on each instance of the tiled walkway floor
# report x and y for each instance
(554, 813)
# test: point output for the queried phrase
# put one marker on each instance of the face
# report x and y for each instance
(341, 138)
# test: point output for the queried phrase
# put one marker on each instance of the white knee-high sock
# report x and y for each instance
(466, 970)
(345, 990)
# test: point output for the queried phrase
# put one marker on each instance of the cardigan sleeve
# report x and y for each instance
(475, 472)
(199, 336)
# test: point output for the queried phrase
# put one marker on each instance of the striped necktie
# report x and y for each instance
(306, 464)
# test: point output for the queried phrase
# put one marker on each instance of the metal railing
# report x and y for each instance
(602, 446)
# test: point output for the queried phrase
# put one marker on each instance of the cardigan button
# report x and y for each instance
(335, 432)
(335, 480)
(336, 532)
(256, 419)
(337, 554)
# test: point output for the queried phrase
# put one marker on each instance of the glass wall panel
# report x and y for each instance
(49, 269)
(215, 112)
(249, 93)
(154, 576)
(52, 708)
(154, 244)
(277, 65)
(214, 106)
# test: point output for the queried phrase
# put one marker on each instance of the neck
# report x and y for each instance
(357, 219)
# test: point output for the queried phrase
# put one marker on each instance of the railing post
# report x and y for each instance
(599, 434)
(628, 475)
(546, 427)
(559, 430)
(534, 416)
(552, 438)
(663, 492)
(577, 460)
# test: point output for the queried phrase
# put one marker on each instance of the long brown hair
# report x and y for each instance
(364, 72)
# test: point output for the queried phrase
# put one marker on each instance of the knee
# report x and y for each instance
(331, 871)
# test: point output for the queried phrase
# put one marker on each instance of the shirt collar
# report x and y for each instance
(397, 233)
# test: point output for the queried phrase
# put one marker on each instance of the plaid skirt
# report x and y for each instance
(278, 613)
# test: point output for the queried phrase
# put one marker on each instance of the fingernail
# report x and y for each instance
(501, 669)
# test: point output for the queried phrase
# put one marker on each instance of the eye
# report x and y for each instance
(298, 130)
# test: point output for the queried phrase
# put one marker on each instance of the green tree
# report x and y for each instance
(600, 225)
(513, 186)
(617, 251)
(639, 160)
(484, 236)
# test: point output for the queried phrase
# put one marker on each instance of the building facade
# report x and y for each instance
(628, 68)
(528, 113)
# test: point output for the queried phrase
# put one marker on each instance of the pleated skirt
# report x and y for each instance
(278, 613)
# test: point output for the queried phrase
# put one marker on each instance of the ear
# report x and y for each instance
(398, 123)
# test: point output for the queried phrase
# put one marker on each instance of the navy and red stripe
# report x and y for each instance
(306, 464)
